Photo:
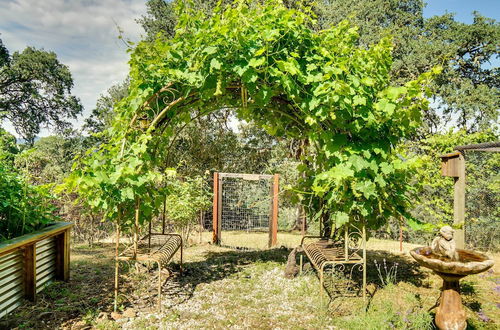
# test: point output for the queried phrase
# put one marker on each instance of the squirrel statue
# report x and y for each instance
(444, 244)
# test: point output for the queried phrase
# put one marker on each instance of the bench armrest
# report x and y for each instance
(308, 236)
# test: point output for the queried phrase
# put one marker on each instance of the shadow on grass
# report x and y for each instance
(216, 266)
(220, 265)
(347, 281)
(408, 270)
(90, 290)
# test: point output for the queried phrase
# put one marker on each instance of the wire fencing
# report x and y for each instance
(482, 207)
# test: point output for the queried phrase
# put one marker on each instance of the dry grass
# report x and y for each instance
(225, 288)
(259, 240)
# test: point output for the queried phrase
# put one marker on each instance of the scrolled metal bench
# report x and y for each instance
(156, 248)
(327, 254)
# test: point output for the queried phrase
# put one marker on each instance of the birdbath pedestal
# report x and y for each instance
(450, 314)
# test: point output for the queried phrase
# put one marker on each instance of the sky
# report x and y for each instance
(84, 35)
(463, 8)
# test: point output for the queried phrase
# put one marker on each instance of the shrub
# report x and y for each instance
(185, 199)
(24, 208)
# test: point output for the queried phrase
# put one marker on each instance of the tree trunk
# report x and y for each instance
(300, 223)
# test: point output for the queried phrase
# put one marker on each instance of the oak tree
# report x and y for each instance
(35, 91)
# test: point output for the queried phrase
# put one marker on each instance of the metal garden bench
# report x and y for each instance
(158, 249)
(326, 254)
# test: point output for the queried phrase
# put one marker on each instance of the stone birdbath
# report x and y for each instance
(451, 265)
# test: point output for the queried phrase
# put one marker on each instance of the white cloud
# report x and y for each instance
(83, 33)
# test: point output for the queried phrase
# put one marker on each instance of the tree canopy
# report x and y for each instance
(266, 61)
(35, 91)
(466, 92)
(102, 115)
(4, 54)
(8, 147)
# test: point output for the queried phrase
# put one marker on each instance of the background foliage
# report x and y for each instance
(186, 199)
(23, 207)
(434, 196)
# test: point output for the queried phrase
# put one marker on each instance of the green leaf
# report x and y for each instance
(417, 225)
(386, 168)
(215, 64)
(291, 66)
(310, 120)
(270, 35)
(250, 76)
(385, 106)
(240, 70)
(340, 218)
(367, 81)
(256, 62)
(339, 172)
(313, 103)
(260, 51)
(264, 96)
(367, 188)
(359, 100)
(393, 93)
(127, 193)
(380, 181)
(358, 162)
(210, 50)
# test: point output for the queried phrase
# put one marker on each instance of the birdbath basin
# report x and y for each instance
(450, 314)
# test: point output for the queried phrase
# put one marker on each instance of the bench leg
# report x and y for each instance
(159, 286)
(182, 252)
(321, 282)
(301, 264)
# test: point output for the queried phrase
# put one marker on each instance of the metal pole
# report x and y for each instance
(149, 232)
(136, 227)
(364, 260)
(117, 265)
(164, 215)
(201, 226)
(346, 242)
(401, 235)
(303, 214)
(215, 211)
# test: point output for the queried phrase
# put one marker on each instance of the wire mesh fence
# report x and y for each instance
(482, 217)
(246, 205)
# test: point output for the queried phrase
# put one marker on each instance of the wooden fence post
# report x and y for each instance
(459, 203)
(453, 165)
(30, 272)
(62, 255)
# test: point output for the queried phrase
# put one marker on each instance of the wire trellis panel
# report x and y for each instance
(245, 203)
(482, 199)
